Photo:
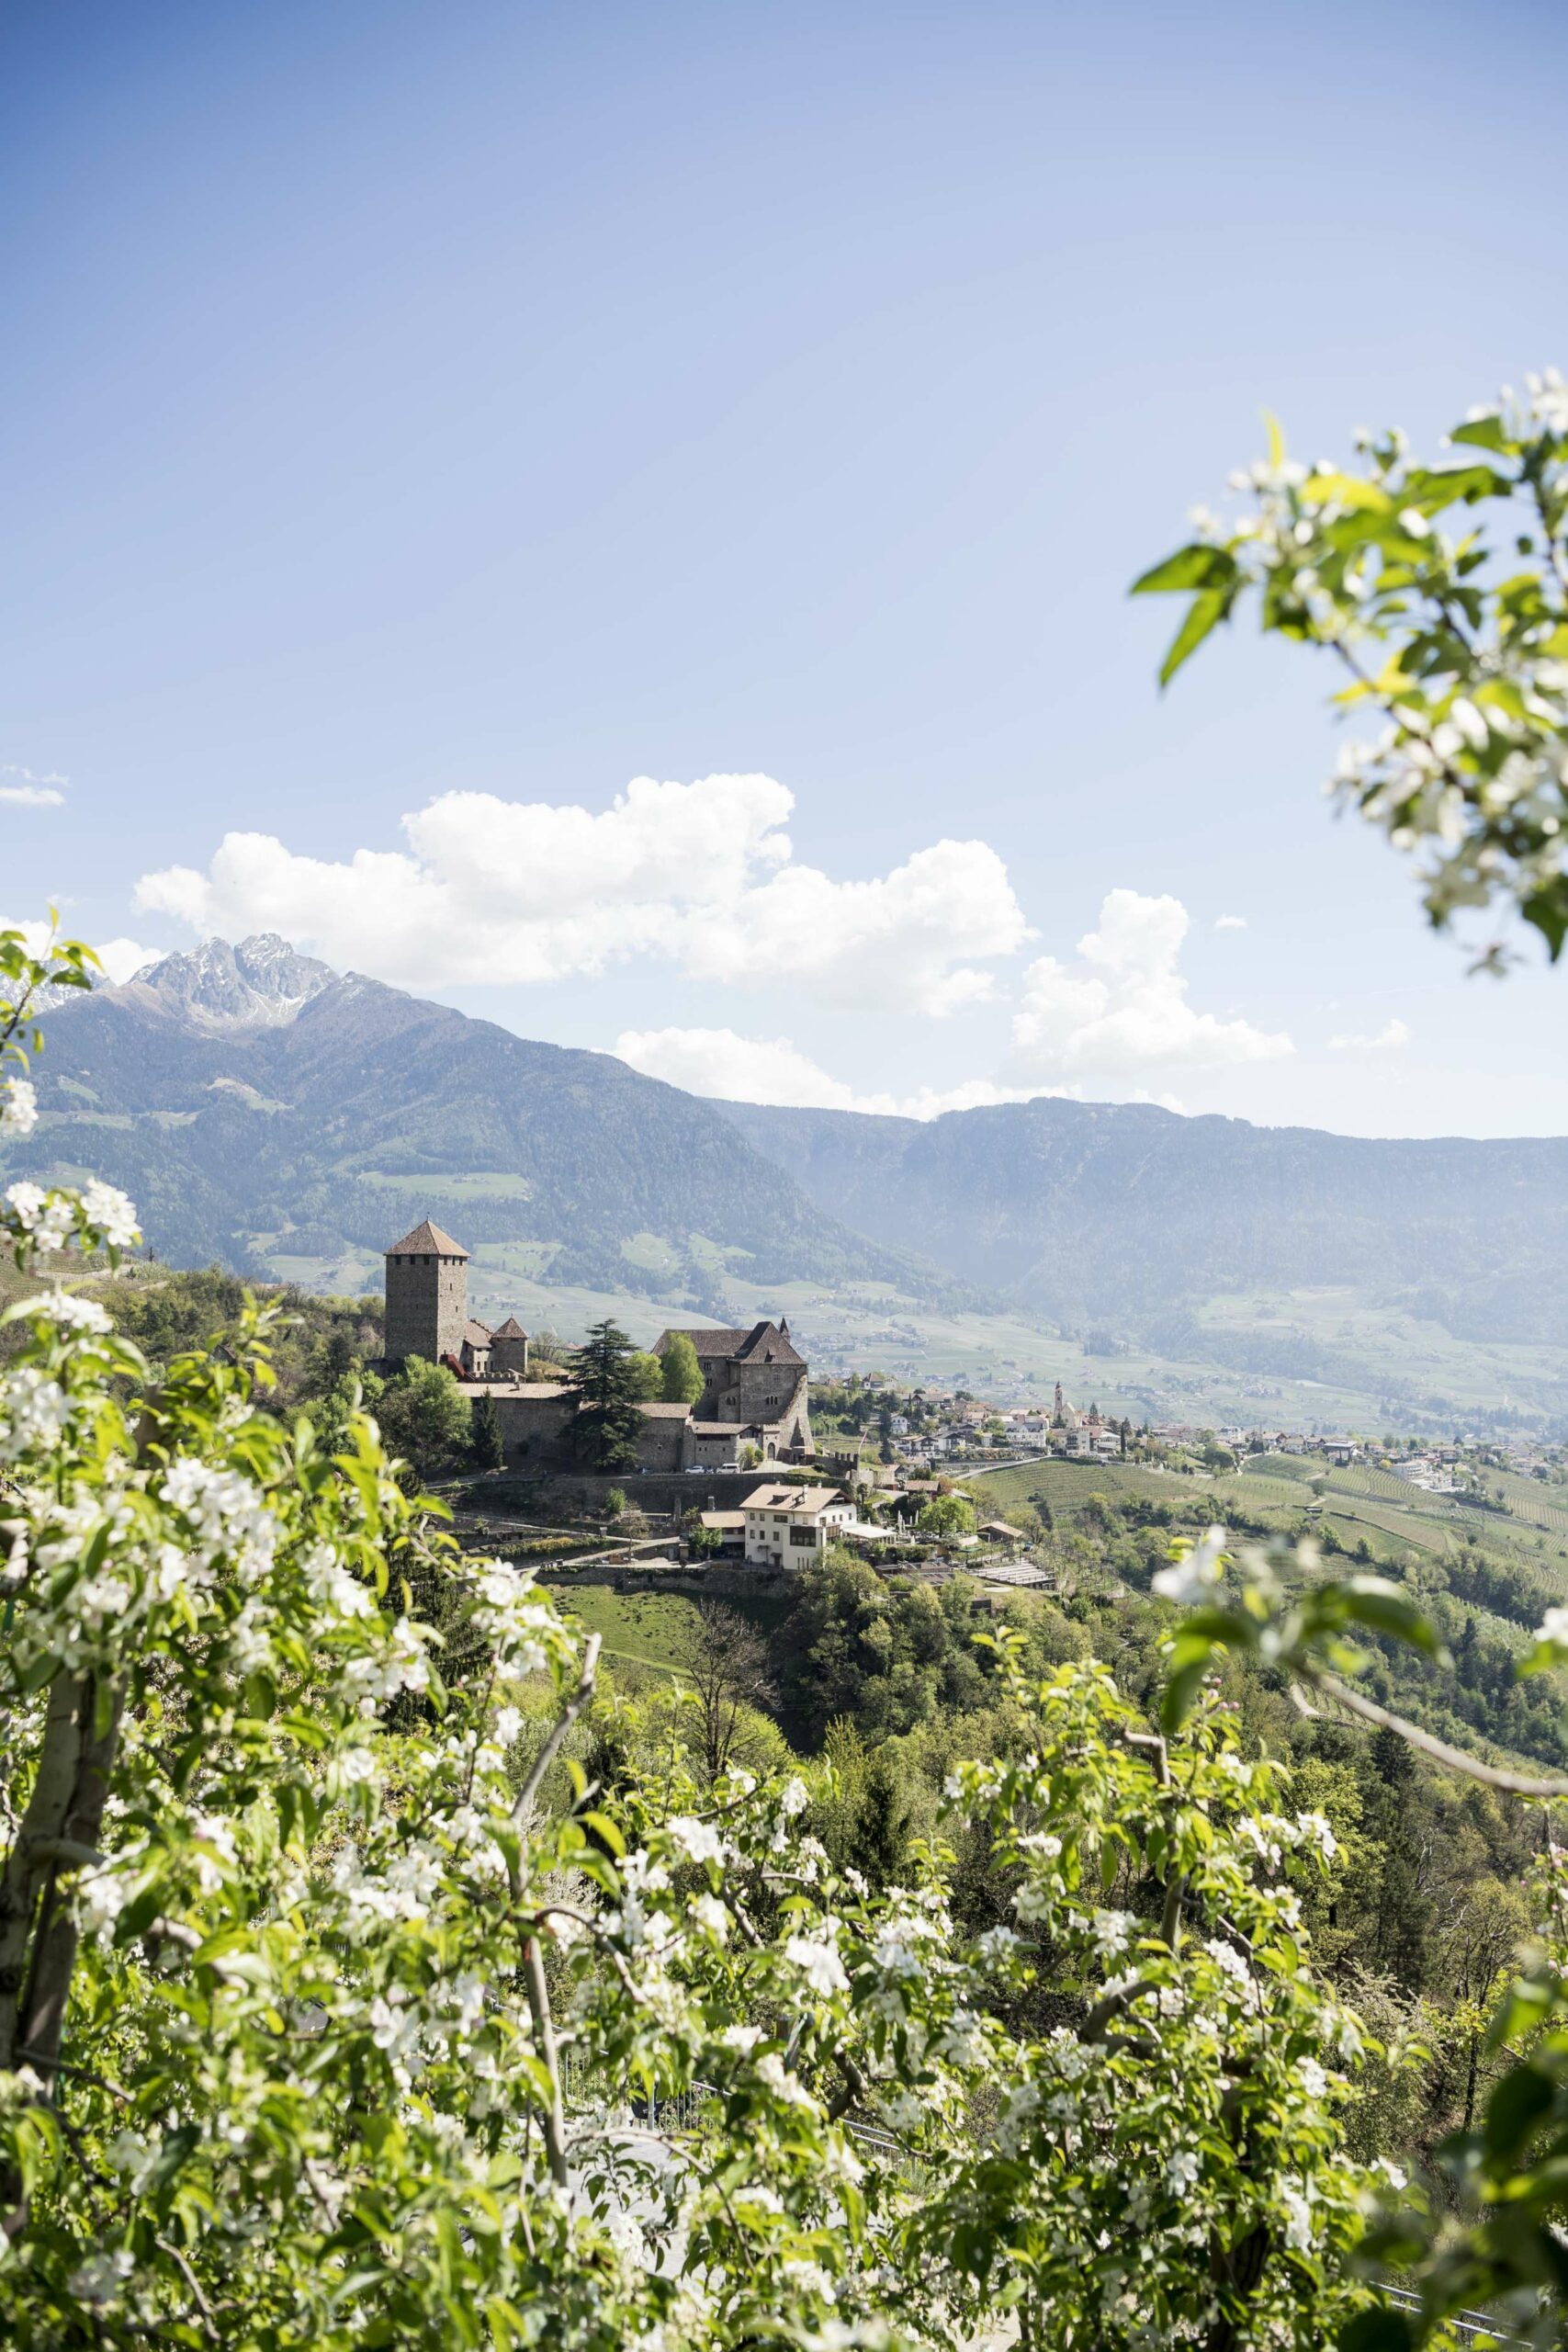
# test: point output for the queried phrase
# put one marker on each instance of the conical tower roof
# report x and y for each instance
(426, 1241)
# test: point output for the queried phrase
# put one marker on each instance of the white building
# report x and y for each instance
(788, 1527)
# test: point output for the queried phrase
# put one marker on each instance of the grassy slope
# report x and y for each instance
(653, 1630)
(1399, 1522)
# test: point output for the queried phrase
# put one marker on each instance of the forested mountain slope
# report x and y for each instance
(259, 1107)
(1132, 1214)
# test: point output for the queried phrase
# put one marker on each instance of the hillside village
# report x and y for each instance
(865, 1465)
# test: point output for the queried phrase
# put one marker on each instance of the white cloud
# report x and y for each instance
(119, 958)
(700, 874)
(28, 790)
(720, 1063)
(118, 955)
(1392, 1034)
(123, 958)
(1123, 1007)
(1230, 922)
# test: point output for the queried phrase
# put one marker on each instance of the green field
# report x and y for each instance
(1384, 1352)
(652, 1631)
(1398, 1522)
(1067, 1486)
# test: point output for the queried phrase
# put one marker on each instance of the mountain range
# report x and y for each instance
(267, 1113)
(271, 1113)
(1125, 1213)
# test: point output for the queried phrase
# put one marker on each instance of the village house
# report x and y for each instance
(792, 1526)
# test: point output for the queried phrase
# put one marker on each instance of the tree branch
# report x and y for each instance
(63, 1852)
(854, 2088)
(1491, 1775)
(188, 2275)
(553, 2119)
(1106, 2011)
(559, 1730)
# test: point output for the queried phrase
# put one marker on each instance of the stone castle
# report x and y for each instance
(756, 1386)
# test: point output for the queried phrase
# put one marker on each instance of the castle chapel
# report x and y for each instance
(756, 1386)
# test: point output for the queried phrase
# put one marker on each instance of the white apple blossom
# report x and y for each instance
(818, 1960)
(66, 1308)
(35, 1412)
(111, 1213)
(699, 1841)
(1194, 1576)
(18, 1107)
(1113, 1931)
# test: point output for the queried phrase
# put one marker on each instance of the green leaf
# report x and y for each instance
(1208, 608)
(1381, 2329)
(1548, 910)
(1431, 488)
(176, 2147)
(1182, 1685)
(1201, 565)
(1372, 1601)
(1344, 489)
(605, 1828)
(1482, 433)
(1519, 2101)
(261, 1696)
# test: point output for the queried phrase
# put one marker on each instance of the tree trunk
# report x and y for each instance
(38, 1936)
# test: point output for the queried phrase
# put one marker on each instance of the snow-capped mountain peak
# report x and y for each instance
(263, 983)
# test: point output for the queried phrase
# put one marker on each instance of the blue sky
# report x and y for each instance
(418, 422)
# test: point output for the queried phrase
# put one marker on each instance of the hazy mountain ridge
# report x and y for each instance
(253, 1108)
(1127, 1213)
(269, 1114)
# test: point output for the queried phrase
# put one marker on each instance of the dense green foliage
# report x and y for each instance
(488, 1446)
(1457, 643)
(607, 1425)
(680, 1375)
(424, 1416)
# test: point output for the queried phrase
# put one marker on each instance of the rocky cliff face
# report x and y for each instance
(261, 984)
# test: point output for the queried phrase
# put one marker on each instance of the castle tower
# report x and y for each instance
(509, 1351)
(427, 1296)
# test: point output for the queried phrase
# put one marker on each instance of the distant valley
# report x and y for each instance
(284, 1120)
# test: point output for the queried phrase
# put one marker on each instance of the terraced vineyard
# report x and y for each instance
(1067, 1486)
(1398, 1522)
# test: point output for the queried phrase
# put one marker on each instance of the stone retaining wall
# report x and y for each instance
(659, 1494)
(697, 1584)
